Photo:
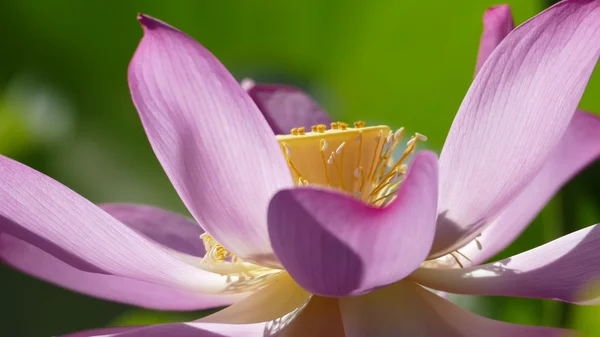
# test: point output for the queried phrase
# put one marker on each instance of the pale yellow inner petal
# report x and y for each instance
(280, 298)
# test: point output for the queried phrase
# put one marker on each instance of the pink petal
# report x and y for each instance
(335, 245)
(210, 138)
(42, 212)
(286, 107)
(167, 228)
(558, 270)
(102, 332)
(34, 261)
(579, 146)
(181, 330)
(407, 310)
(279, 309)
(516, 110)
(497, 23)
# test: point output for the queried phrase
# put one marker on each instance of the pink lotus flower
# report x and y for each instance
(344, 253)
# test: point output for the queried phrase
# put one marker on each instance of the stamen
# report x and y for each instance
(479, 246)
(463, 255)
(323, 146)
(457, 260)
(288, 150)
(214, 251)
(338, 167)
(359, 124)
(288, 158)
(399, 134)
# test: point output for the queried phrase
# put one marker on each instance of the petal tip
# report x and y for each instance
(504, 8)
(150, 23)
(497, 11)
(145, 20)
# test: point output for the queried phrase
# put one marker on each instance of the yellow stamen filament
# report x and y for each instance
(457, 260)
(463, 255)
(288, 154)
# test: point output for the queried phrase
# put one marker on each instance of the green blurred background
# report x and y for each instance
(65, 110)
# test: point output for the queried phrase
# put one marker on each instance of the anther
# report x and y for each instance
(343, 125)
(301, 131)
(294, 131)
(335, 125)
(313, 128)
(479, 246)
(399, 134)
(421, 136)
(323, 145)
(321, 128)
(389, 139)
(288, 150)
(340, 148)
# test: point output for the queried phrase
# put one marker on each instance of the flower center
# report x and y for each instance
(358, 161)
(355, 160)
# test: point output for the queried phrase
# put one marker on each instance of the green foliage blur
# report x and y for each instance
(65, 110)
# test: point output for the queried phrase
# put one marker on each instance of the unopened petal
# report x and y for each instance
(497, 23)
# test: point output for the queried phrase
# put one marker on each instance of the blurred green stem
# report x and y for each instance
(552, 218)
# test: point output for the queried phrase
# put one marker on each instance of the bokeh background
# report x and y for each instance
(65, 110)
